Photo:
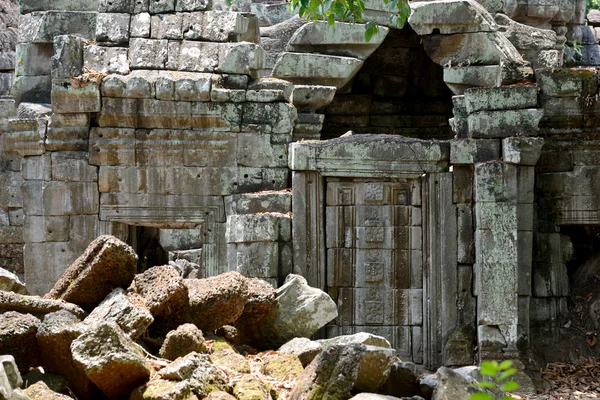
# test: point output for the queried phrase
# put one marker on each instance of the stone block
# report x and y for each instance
(193, 5)
(173, 49)
(11, 235)
(184, 86)
(209, 149)
(223, 26)
(460, 79)
(217, 116)
(162, 147)
(256, 150)
(463, 184)
(161, 6)
(106, 59)
(497, 124)
(68, 132)
(478, 48)
(495, 182)
(280, 116)
(70, 198)
(316, 69)
(32, 89)
(33, 59)
(6, 83)
(310, 98)
(11, 196)
(112, 146)
(167, 26)
(73, 167)
(67, 98)
(563, 112)
(26, 137)
(256, 228)
(28, 6)
(270, 90)
(136, 85)
(343, 39)
(116, 6)
(472, 151)
(112, 28)
(258, 259)
(148, 53)
(560, 83)
(42, 27)
(450, 17)
(523, 151)
(37, 168)
(501, 98)
(550, 280)
(67, 60)
(164, 114)
(233, 58)
(46, 229)
(140, 25)
(121, 113)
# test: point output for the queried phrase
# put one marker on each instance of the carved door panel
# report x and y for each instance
(374, 261)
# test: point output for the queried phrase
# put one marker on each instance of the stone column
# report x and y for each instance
(504, 234)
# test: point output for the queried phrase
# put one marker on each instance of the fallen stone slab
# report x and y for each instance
(451, 386)
(260, 301)
(111, 360)
(331, 375)
(106, 264)
(10, 282)
(374, 369)
(361, 337)
(216, 301)
(18, 338)
(299, 311)
(162, 289)
(132, 318)
(40, 391)
(187, 338)
(305, 349)
(250, 388)
(55, 335)
(403, 380)
(35, 305)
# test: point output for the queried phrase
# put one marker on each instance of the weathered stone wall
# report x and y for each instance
(9, 21)
(398, 90)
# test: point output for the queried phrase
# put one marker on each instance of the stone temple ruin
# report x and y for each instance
(440, 182)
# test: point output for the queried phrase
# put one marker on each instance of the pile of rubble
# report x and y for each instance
(105, 332)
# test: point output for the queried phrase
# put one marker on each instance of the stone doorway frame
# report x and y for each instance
(388, 157)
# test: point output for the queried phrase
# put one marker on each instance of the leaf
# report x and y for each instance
(481, 396)
(509, 386)
(489, 368)
(484, 385)
(507, 374)
(331, 19)
(504, 365)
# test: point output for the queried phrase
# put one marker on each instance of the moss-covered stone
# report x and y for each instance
(250, 388)
(230, 360)
(283, 367)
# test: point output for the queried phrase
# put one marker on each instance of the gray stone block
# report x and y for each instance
(280, 116)
(112, 28)
(495, 182)
(37, 168)
(118, 113)
(42, 27)
(140, 25)
(38, 229)
(73, 167)
(498, 124)
(28, 6)
(167, 26)
(501, 98)
(259, 259)
(69, 198)
(107, 59)
(460, 79)
(524, 151)
(161, 6)
(26, 137)
(33, 59)
(6, 82)
(148, 53)
(471, 151)
(116, 6)
(466, 235)
(67, 132)
(193, 5)
(67, 98)
(32, 89)
(136, 85)
(67, 60)
(186, 86)
(253, 203)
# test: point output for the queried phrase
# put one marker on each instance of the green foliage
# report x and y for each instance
(593, 5)
(349, 11)
(498, 384)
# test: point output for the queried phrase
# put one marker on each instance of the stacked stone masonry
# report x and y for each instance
(443, 221)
